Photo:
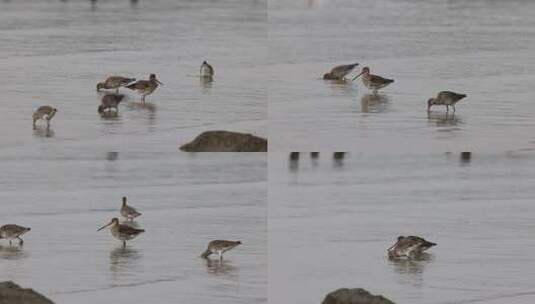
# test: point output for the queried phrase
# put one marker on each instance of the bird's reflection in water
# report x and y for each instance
(373, 103)
(112, 156)
(147, 106)
(12, 252)
(216, 266)
(443, 119)
(206, 83)
(338, 158)
(412, 269)
(293, 161)
(43, 132)
(124, 259)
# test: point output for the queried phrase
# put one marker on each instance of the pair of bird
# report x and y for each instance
(125, 232)
(142, 87)
(375, 82)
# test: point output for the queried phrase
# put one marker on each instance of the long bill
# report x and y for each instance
(105, 226)
(357, 76)
(159, 82)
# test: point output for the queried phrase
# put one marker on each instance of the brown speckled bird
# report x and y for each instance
(445, 98)
(45, 113)
(145, 87)
(373, 82)
(219, 247)
(339, 72)
(409, 247)
(122, 232)
(12, 231)
(114, 82)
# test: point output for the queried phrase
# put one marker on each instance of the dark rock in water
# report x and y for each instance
(354, 296)
(225, 141)
(11, 293)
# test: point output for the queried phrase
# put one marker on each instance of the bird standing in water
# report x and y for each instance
(12, 231)
(409, 247)
(445, 98)
(122, 232)
(128, 212)
(339, 72)
(145, 87)
(207, 70)
(219, 247)
(114, 82)
(373, 82)
(45, 113)
(110, 102)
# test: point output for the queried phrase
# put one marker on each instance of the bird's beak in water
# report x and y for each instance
(105, 226)
(357, 76)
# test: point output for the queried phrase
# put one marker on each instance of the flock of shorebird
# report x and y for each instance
(109, 103)
(122, 231)
(375, 83)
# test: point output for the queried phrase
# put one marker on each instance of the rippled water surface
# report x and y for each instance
(331, 221)
(67, 181)
(483, 48)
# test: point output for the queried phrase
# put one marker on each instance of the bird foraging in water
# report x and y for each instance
(122, 232)
(145, 87)
(128, 212)
(445, 98)
(110, 102)
(339, 72)
(207, 70)
(219, 247)
(12, 231)
(373, 82)
(114, 82)
(45, 113)
(409, 247)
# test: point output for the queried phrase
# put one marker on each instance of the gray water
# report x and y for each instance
(186, 201)
(483, 48)
(68, 181)
(330, 223)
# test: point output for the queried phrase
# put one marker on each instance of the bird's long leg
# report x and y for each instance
(20, 240)
(453, 106)
(9, 242)
(447, 108)
(221, 255)
(34, 126)
(48, 123)
(124, 244)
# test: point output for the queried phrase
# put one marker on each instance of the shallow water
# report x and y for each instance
(67, 181)
(186, 200)
(483, 48)
(330, 223)
(55, 52)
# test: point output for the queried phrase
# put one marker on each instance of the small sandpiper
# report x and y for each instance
(12, 231)
(45, 113)
(114, 82)
(145, 87)
(445, 98)
(109, 103)
(207, 70)
(409, 247)
(219, 247)
(122, 232)
(373, 82)
(128, 212)
(339, 72)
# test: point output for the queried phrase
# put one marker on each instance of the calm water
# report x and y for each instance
(331, 222)
(483, 48)
(67, 182)
(55, 53)
(186, 200)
